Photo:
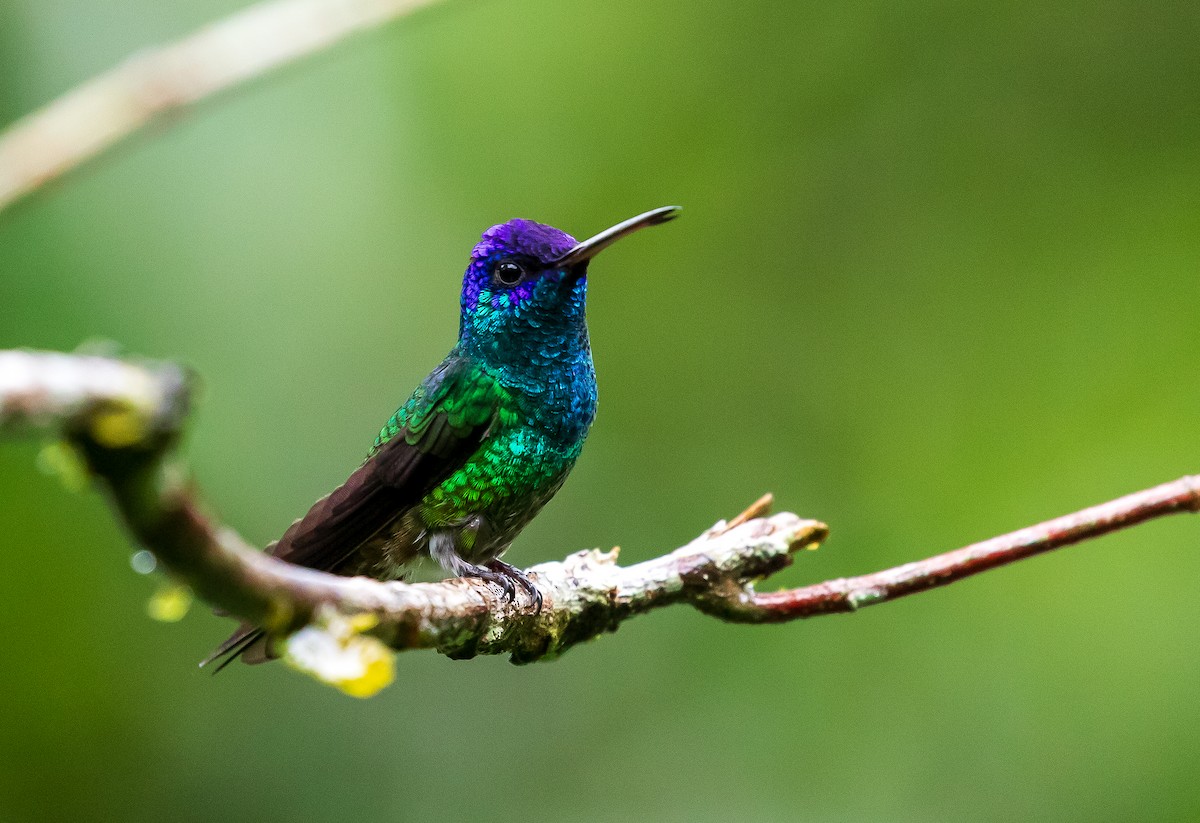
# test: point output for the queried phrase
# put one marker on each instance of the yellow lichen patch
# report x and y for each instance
(118, 426)
(334, 650)
(170, 603)
(64, 462)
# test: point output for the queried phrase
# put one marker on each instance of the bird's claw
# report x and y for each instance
(508, 576)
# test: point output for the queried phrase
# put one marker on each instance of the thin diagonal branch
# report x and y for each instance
(152, 84)
(124, 417)
(851, 594)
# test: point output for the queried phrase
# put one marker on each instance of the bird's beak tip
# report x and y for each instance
(589, 248)
(667, 213)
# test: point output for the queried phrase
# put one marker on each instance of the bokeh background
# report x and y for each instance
(935, 280)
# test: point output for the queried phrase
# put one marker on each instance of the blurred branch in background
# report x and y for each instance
(158, 82)
(125, 416)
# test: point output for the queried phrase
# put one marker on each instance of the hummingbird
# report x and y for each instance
(484, 441)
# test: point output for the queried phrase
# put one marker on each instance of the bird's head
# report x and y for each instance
(528, 282)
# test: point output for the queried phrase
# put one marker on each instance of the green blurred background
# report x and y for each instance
(935, 280)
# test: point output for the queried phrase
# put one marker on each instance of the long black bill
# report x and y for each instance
(594, 245)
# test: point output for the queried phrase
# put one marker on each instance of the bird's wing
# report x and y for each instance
(431, 435)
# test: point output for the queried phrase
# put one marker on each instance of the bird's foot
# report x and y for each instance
(442, 549)
(513, 574)
(489, 576)
(506, 577)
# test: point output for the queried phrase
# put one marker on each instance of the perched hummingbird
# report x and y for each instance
(488, 437)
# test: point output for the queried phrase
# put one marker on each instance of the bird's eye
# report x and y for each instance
(508, 273)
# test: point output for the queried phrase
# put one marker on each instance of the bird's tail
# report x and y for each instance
(240, 642)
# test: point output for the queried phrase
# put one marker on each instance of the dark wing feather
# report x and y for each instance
(441, 425)
(339, 523)
(432, 435)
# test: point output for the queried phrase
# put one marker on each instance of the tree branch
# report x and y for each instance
(108, 108)
(851, 594)
(125, 416)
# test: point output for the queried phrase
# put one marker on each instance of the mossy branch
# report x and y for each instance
(125, 417)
